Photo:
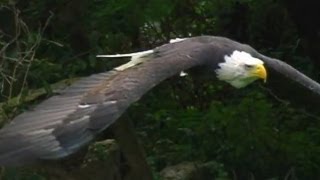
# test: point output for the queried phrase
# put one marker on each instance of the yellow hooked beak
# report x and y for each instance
(260, 72)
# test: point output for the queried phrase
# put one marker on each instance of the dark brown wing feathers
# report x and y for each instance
(62, 124)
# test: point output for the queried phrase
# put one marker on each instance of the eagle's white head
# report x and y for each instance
(241, 69)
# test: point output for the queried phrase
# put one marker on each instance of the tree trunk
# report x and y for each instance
(132, 150)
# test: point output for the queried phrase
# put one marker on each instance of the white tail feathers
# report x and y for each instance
(136, 58)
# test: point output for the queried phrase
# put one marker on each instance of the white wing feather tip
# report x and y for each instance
(182, 74)
(138, 54)
(136, 58)
(177, 40)
(83, 106)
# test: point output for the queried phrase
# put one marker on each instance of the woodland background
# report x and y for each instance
(225, 133)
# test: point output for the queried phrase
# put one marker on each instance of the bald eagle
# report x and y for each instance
(62, 124)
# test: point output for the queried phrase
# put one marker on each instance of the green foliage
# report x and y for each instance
(250, 135)
(14, 174)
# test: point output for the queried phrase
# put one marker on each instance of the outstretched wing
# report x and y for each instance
(286, 82)
(48, 129)
(62, 124)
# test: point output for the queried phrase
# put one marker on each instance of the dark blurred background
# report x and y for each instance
(245, 134)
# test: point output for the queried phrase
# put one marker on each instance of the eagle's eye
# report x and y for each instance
(248, 66)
